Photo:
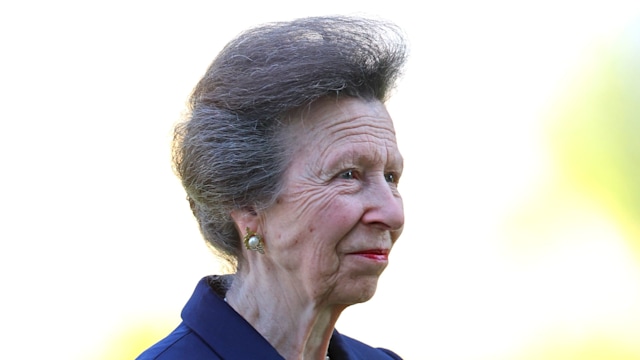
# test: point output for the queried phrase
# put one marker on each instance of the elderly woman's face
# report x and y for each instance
(331, 230)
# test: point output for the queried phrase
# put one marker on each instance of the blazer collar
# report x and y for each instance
(222, 328)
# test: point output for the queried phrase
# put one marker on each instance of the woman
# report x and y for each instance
(291, 167)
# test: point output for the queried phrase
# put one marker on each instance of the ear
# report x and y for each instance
(245, 218)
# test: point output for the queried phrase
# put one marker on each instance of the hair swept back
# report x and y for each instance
(228, 151)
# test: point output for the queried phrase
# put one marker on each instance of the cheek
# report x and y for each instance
(326, 223)
(317, 217)
(336, 220)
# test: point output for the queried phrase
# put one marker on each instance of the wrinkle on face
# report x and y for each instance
(317, 219)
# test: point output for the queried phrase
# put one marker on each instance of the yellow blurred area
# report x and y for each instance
(596, 136)
(597, 348)
(579, 232)
(130, 341)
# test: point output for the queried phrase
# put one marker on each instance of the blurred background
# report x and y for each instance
(519, 123)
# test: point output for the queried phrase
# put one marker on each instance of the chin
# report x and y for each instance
(359, 292)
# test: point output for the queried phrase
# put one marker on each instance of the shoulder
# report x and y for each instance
(181, 343)
(359, 350)
(211, 329)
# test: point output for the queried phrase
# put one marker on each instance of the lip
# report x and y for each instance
(373, 254)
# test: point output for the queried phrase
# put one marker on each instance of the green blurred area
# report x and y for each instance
(596, 135)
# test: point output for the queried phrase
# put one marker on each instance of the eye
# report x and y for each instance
(348, 175)
(391, 178)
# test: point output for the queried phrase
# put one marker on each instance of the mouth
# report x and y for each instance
(374, 254)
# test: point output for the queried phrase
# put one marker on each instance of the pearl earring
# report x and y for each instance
(253, 241)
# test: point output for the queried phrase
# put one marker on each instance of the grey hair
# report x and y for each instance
(229, 151)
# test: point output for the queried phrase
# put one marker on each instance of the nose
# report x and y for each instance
(384, 206)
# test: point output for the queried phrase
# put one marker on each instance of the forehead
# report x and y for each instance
(342, 117)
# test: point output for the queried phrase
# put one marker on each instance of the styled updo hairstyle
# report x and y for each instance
(229, 152)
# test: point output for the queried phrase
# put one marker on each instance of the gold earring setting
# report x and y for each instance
(253, 241)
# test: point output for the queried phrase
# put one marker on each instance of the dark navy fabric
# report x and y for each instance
(211, 329)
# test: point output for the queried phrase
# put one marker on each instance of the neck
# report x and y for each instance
(298, 326)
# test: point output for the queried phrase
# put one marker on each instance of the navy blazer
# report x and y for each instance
(211, 329)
